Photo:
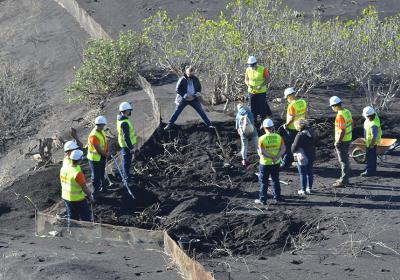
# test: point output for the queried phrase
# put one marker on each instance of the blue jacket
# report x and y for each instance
(181, 86)
(243, 111)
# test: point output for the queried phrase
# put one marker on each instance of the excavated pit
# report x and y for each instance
(198, 192)
(186, 184)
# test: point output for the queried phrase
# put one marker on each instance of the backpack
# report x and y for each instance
(301, 157)
(246, 128)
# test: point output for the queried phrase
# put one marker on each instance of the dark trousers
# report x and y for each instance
(371, 160)
(126, 162)
(98, 169)
(265, 172)
(78, 210)
(343, 155)
(306, 175)
(195, 103)
(259, 105)
(289, 139)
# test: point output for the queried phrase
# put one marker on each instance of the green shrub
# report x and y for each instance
(299, 52)
(109, 67)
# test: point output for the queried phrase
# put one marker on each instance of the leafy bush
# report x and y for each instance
(109, 67)
(299, 52)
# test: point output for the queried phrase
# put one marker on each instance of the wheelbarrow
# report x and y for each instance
(386, 147)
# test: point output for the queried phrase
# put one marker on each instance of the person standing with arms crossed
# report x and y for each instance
(257, 78)
(271, 147)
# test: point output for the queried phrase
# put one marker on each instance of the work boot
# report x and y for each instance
(245, 163)
(211, 127)
(308, 191)
(366, 174)
(278, 199)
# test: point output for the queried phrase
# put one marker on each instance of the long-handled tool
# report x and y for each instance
(107, 178)
(124, 179)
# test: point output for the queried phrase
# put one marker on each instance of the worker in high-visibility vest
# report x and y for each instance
(271, 147)
(343, 137)
(257, 78)
(69, 146)
(372, 135)
(98, 154)
(126, 138)
(74, 190)
(296, 110)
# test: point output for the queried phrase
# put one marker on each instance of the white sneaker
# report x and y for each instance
(301, 192)
(308, 191)
(258, 201)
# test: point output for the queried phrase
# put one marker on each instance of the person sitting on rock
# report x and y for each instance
(188, 92)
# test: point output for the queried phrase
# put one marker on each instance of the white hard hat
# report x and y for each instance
(76, 155)
(368, 111)
(334, 100)
(268, 123)
(251, 60)
(70, 145)
(289, 91)
(100, 120)
(124, 106)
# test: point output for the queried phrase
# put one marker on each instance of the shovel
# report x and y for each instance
(124, 179)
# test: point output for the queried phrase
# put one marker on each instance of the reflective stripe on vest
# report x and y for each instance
(368, 130)
(93, 155)
(256, 78)
(71, 190)
(272, 144)
(132, 134)
(300, 108)
(348, 119)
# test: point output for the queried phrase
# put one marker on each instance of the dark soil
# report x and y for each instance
(186, 184)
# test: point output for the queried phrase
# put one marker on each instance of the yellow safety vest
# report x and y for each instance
(256, 78)
(71, 190)
(272, 144)
(349, 125)
(132, 134)
(93, 155)
(67, 161)
(300, 108)
(368, 130)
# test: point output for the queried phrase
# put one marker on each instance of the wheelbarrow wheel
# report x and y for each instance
(359, 155)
